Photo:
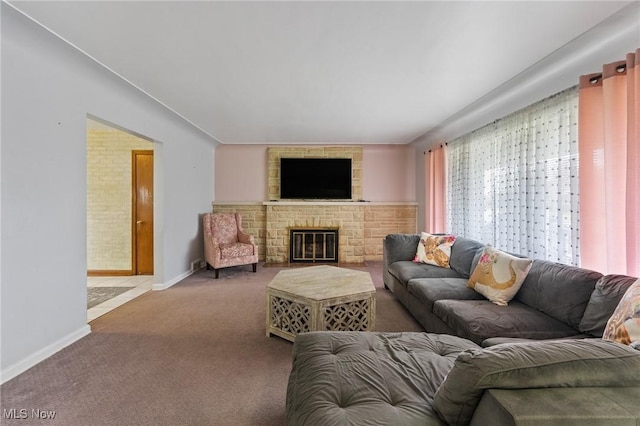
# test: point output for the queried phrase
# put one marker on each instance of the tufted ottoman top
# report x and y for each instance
(341, 378)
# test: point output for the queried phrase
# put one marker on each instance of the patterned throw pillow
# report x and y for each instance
(624, 324)
(434, 249)
(498, 275)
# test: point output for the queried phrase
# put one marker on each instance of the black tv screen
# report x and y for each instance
(315, 178)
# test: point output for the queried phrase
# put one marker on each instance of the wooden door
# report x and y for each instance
(142, 234)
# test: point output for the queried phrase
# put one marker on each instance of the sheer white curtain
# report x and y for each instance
(514, 182)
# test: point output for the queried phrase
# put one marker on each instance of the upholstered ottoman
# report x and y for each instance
(341, 378)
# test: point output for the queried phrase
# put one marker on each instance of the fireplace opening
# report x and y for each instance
(313, 245)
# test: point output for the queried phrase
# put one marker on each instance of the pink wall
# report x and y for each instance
(388, 173)
(240, 173)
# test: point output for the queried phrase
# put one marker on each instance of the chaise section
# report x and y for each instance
(349, 378)
(368, 378)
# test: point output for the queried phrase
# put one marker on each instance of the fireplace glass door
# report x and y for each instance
(312, 245)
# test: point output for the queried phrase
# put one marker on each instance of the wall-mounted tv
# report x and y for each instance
(315, 178)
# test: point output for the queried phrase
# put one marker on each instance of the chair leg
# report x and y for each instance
(208, 266)
(217, 273)
(255, 265)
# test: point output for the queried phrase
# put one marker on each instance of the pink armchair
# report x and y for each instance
(225, 243)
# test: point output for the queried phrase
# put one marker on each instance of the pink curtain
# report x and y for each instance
(435, 182)
(609, 149)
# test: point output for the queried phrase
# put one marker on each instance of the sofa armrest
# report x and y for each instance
(400, 247)
(559, 407)
(397, 247)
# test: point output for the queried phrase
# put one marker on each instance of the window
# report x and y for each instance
(514, 182)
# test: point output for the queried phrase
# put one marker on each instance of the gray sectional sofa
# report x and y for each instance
(477, 363)
(555, 300)
(364, 378)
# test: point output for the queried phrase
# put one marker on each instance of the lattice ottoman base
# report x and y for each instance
(291, 314)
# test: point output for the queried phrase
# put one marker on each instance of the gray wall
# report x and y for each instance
(48, 89)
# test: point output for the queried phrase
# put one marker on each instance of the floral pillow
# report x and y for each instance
(624, 324)
(434, 249)
(498, 275)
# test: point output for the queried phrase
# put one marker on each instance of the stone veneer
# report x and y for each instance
(362, 226)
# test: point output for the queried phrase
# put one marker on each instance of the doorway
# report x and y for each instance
(120, 193)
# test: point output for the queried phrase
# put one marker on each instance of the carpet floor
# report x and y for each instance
(194, 354)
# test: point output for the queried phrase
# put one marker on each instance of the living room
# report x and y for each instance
(50, 87)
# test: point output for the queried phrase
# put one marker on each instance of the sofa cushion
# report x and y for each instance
(499, 275)
(428, 290)
(434, 249)
(624, 324)
(232, 250)
(368, 378)
(604, 300)
(478, 320)
(408, 270)
(462, 255)
(558, 290)
(570, 363)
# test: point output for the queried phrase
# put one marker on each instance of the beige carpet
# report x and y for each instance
(195, 354)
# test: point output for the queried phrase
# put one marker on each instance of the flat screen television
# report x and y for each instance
(315, 178)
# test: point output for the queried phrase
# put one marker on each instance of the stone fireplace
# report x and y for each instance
(345, 217)
(361, 225)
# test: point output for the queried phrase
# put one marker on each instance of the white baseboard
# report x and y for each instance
(44, 353)
(176, 280)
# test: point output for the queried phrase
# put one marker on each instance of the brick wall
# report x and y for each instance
(109, 198)
(362, 226)
(382, 220)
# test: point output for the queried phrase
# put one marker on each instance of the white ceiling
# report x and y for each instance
(318, 72)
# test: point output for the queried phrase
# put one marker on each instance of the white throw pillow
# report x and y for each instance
(499, 275)
(434, 249)
(624, 324)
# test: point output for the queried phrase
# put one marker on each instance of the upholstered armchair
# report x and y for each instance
(226, 244)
